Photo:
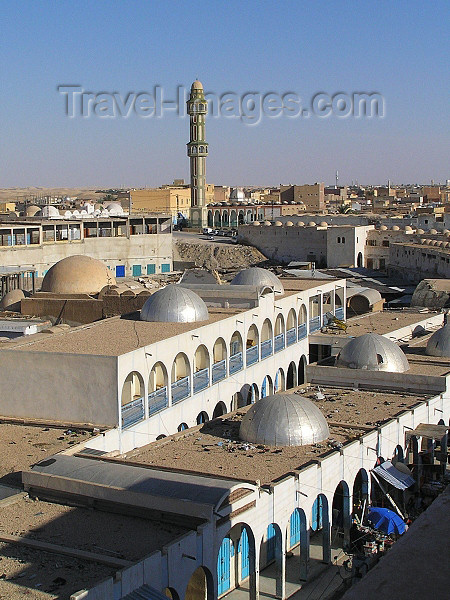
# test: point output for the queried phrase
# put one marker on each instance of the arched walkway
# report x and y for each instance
(291, 379)
(182, 427)
(301, 378)
(272, 551)
(279, 381)
(202, 417)
(132, 399)
(359, 260)
(320, 525)
(219, 410)
(266, 387)
(158, 397)
(200, 585)
(360, 493)
(236, 561)
(219, 368)
(180, 378)
(298, 535)
(341, 511)
(201, 369)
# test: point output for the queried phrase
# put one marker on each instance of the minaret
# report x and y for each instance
(197, 150)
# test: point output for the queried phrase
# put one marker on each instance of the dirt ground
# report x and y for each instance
(219, 256)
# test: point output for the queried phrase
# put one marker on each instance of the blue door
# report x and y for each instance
(165, 268)
(245, 558)
(151, 269)
(120, 270)
(271, 539)
(294, 523)
(317, 514)
(277, 381)
(137, 270)
(223, 566)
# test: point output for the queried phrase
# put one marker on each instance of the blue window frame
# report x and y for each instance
(120, 270)
(165, 268)
(151, 269)
(137, 270)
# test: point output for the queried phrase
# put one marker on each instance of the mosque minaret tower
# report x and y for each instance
(197, 150)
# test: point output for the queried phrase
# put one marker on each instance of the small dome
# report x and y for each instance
(114, 207)
(433, 231)
(11, 300)
(300, 224)
(372, 352)
(49, 212)
(174, 304)
(408, 228)
(267, 223)
(420, 231)
(278, 224)
(439, 342)
(77, 274)
(237, 195)
(289, 224)
(196, 85)
(423, 241)
(31, 210)
(383, 228)
(284, 420)
(256, 223)
(259, 277)
(446, 231)
(311, 224)
(447, 234)
(396, 228)
(323, 224)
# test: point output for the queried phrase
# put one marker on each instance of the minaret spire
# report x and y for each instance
(197, 150)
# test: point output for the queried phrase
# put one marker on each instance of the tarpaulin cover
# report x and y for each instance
(389, 473)
(386, 520)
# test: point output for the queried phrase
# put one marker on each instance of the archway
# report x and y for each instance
(320, 525)
(210, 218)
(233, 218)
(225, 218)
(200, 585)
(237, 547)
(291, 327)
(171, 593)
(360, 493)
(341, 511)
(298, 538)
(302, 326)
(253, 394)
(241, 217)
(219, 410)
(236, 362)
(219, 368)
(272, 551)
(252, 346)
(279, 333)
(161, 436)
(201, 369)
(132, 399)
(301, 376)
(359, 260)
(182, 427)
(291, 379)
(202, 417)
(399, 455)
(217, 219)
(279, 384)
(266, 387)
(180, 378)
(158, 397)
(266, 339)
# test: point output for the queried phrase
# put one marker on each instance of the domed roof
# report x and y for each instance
(256, 223)
(300, 224)
(267, 223)
(31, 210)
(372, 352)
(323, 224)
(237, 194)
(278, 224)
(197, 85)
(439, 342)
(11, 300)
(284, 420)
(433, 231)
(311, 224)
(420, 231)
(49, 211)
(383, 228)
(77, 274)
(289, 224)
(408, 228)
(259, 277)
(396, 228)
(174, 304)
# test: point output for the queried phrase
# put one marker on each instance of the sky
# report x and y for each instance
(397, 50)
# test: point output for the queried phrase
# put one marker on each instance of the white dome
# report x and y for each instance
(300, 224)
(433, 231)
(372, 352)
(258, 277)
(237, 195)
(311, 224)
(278, 224)
(174, 304)
(289, 224)
(396, 228)
(284, 420)
(439, 342)
(256, 223)
(49, 212)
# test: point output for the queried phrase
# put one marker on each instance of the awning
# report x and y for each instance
(389, 473)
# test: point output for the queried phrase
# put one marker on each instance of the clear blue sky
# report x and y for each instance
(399, 49)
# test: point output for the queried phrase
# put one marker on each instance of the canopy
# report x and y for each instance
(386, 520)
(397, 478)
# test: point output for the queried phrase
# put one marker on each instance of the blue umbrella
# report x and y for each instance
(386, 520)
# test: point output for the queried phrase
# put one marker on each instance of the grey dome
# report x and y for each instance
(258, 277)
(284, 420)
(439, 342)
(372, 352)
(174, 304)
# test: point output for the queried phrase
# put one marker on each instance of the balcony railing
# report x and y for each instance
(266, 349)
(219, 371)
(201, 380)
(314, 324)
(157, 400)
(236, 363)
(301, 331)
(180, 389)
(133, 412)
(291, 336)
(252, 355)
(279, 342)
(339, 312)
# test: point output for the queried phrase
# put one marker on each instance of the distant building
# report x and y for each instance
(312, 196)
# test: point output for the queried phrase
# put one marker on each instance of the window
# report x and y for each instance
(385, 243)
(151, 270)
(339, 240)
(165, 268)
(343, 240)
(136, 270)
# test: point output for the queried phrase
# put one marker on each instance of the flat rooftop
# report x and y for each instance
(110, 535)
(383, 322)
(23, 445)
(422, 364)
(215, 448)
